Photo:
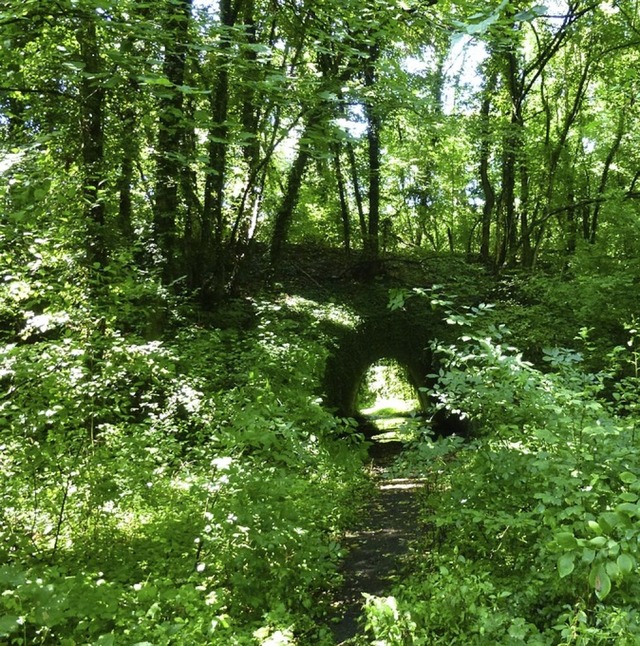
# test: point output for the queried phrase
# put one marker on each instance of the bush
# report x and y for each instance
(191, 490)
(535, 523)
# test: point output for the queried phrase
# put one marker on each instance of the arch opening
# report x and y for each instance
(388, 396)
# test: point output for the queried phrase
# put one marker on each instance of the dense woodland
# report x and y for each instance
(198, 197)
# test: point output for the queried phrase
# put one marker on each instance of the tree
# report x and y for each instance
(175, 22)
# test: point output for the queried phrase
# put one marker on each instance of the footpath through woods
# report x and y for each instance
(378, 549)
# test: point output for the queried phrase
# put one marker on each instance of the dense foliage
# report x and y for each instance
(534, 524)
(188, 490)
(179, 134)
(168, 473)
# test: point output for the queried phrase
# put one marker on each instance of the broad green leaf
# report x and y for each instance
(530, 14)
(625, 563)
(566, 540)
(8, 625)
(609, 519)
(594, 527)
(565, 565)
(612, 569)
(627, 508)
(602, 584)
(598, 541)
(627, 477)
(155, 80)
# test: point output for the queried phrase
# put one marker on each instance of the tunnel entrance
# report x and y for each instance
(387, 396)
(385, 356)
(360, 356)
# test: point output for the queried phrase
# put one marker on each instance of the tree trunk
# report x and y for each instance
(355, 181)
(170, 130)
(485, 181)
(344, 207)
(284, 215)
(595, 218)
(372, 246)
(130, 153)
(572, 224)
(507, 200)
(92, 133)
(512, 143)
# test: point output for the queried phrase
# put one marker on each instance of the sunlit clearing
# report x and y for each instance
(386, 391)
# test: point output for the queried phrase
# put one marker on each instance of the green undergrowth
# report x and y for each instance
(185, 491)
(533, 527)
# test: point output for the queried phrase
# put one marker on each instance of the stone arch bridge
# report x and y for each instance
(402, 335)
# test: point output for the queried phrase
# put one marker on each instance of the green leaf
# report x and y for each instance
(566, 540)
(612, 569)
(609, 519)
(8, 625)
(627, 508)
(530, 14)
(566, 565)
(602, 583)
(481, 27)
(594, 527)
(155, 80)
(625, 563)
(598, 541)
(627, 477)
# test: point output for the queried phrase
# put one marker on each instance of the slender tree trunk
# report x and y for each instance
(125, 181)
(284, 216)
(512, 143)
(344, 207)
(252, 110)
(170, 131)
(507, 200)
(372, 246)
(213, 220)
(613, 151)
(193, 209)
(357, 192)
(528, 255)
(92, 133)
(130, 153)
(572, 225)
(485, 181)
(127, 112)
(316, 117)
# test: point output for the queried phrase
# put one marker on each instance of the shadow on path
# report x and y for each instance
(376, 547)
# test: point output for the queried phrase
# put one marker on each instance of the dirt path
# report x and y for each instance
(377, 546)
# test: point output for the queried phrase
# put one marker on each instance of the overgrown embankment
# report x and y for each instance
(535, 521)
(191, 490)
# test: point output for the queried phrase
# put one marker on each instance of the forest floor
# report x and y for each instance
(379, 547)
